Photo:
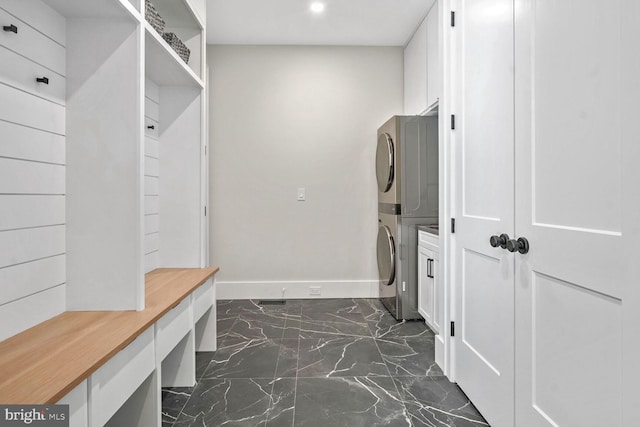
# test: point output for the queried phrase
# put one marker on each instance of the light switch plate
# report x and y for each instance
(302, 194)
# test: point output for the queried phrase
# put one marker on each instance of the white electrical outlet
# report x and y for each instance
(302, 194)
(315, 290)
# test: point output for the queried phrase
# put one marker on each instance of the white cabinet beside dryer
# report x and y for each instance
(430, 295)
(431, 289)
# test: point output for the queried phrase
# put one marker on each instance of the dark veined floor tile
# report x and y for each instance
(349, 402)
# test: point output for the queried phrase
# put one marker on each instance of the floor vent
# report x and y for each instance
(272, 302)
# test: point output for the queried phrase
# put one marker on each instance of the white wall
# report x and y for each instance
(284, 117)
(151, 177)
(32, 167)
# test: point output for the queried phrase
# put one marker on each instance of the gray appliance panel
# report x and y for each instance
(419, 170)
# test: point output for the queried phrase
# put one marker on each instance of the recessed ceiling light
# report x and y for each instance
(317, 7)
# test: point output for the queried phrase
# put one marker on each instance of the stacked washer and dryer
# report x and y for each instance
(407, 175)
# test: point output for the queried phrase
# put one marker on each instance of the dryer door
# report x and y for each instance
(385, 162)
(386, 256)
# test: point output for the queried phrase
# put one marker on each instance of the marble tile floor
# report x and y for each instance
(331, 362)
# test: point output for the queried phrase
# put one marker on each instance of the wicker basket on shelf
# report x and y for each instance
(153, 17)
(177, 45)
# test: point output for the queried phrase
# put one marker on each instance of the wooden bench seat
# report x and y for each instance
(44, 363)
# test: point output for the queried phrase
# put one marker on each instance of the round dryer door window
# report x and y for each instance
(384, 162)
(386, 256)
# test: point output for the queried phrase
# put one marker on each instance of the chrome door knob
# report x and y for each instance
(500, 240)
(521, 245)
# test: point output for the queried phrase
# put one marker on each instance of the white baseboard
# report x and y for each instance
(439, 347)
(297, 289)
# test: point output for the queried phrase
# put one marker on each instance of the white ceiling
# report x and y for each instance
(343, 22)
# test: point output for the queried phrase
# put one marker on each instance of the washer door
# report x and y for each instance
(386, 256)
(384, 162)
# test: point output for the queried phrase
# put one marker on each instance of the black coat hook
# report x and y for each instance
(10, 28)
(151, 127)
(44, 80)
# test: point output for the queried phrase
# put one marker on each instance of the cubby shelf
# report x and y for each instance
(163, 65)
(179, 13)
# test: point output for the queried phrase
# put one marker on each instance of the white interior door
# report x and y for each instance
(577, 203)
(483, 142)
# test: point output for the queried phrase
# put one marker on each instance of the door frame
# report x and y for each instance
(446, 195)
(447, 178)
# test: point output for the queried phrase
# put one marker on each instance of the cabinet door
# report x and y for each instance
(425, 285)
(433, 55)
(415, 72)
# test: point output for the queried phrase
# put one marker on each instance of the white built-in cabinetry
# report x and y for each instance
(430, 289)
(91, 197)
(415, 72)
(433, 56)
(126, 391)
(422, 73)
